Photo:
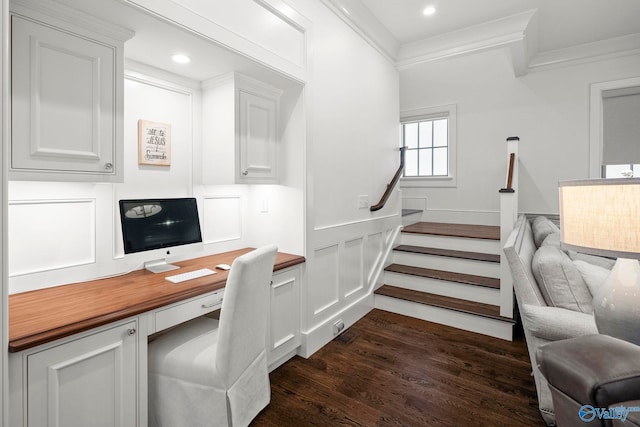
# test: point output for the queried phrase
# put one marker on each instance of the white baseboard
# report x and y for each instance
(323, 333)
(277, 363)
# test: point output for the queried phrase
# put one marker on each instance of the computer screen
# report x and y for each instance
(149, 224)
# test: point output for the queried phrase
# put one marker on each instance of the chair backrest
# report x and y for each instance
(243, 315)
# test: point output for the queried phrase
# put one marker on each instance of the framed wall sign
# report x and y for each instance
(154, 143)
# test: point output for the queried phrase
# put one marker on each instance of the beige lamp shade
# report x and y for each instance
(601, 216)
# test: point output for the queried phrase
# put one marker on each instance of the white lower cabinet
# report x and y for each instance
(98, 378)
(283, 328)
(88, 381)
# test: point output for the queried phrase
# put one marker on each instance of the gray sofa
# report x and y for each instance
(553, 290)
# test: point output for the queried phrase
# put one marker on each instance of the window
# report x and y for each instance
(429, 135)
(427, 145)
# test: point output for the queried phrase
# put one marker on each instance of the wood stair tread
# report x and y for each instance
(469, 279)
(464, 306)
(489, 232)
(477, 256)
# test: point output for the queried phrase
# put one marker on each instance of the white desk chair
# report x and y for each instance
(207, 372)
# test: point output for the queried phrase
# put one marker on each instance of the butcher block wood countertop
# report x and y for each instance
(45, 315)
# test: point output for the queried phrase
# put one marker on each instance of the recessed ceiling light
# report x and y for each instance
(181, 59)
(429, 10)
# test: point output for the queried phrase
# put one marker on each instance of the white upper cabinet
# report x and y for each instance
(240, 127)
(257, 144)
(67, 100)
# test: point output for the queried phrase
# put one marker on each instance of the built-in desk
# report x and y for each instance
(88, 341)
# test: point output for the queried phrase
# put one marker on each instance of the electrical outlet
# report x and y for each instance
(363, 202)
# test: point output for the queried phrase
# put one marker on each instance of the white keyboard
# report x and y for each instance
(177, 278)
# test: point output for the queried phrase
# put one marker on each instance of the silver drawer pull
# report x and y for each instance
(213, 304)
(131, 332)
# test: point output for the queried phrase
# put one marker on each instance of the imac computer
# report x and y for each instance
(157, 225)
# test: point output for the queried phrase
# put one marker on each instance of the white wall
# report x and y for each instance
(353, 111)
(339, 141)
(68, 232)
(548, 109)
(351, 102)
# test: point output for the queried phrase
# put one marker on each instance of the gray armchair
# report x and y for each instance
(594, 380)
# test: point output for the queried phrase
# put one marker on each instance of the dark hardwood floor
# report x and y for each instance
(392, 370)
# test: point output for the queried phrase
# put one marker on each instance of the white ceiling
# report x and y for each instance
(562, 23)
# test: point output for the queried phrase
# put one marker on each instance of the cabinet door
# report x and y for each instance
(284, 317)
(257, 139)
(63, 101)
(86, 382)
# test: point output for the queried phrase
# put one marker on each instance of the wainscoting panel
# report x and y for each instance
(221, 219)
(352, 264)
(344, 266)
(51, 234)
(373, 254)
(325, 272)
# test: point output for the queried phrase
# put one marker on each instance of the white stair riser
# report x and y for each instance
(411, 218)
(456, 319)
(443, 287)
(455, 243)
(457, 265)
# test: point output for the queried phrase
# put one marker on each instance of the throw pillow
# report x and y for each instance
(542, 227)
(601, 261)
(593, 275)
(559, 280)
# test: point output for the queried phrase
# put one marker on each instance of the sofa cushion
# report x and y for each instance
(552, 239)
(542, 227)
(560, 280)
(593, 275)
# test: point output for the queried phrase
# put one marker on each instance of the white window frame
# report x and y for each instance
(431, 113)
(596, 125)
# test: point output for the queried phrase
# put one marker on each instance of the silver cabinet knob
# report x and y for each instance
(108, 166)
(245, 173)
(131, 332)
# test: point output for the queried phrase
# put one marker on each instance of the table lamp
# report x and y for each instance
(602, 217)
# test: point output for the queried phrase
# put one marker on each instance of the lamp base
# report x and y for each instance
(616, 305)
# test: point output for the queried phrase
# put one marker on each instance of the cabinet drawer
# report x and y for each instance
(183, 311)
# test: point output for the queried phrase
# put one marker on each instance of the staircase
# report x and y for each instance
(447, 274)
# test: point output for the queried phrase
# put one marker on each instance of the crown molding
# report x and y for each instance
(588, 52)
(363, 22)
(518, 32)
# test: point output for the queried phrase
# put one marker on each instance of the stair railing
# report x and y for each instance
(391, 185)
(508, 217)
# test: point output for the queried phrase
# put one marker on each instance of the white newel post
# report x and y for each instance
(508, 217)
